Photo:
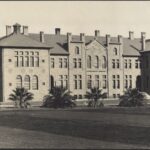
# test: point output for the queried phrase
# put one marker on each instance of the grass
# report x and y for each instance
(75, 128)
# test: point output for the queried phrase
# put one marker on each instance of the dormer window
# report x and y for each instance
(77, 50)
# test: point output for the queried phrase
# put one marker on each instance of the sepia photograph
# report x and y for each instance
(74, 74)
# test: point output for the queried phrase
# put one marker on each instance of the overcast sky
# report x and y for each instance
(79, 16)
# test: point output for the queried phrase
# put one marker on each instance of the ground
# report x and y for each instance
(75, 128)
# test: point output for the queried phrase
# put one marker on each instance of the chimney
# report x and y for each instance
(107, 39)
(16, 28)
(82, 37)
(97, 33)
(131, 35)
(120, 39)
(8, 30)
(25, 30)
(69, 37)
(143, 38)
(57, 31)
(42, 36)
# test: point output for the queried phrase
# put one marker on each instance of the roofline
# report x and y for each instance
(25, 47)
(131, 55)
(58, 54)
(145, 51)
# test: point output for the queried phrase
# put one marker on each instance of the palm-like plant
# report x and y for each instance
(22, 97)
(58, 97)
(132, 98)
(94, 95)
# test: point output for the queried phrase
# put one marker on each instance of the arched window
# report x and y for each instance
(96, 62)
(89, 62)
(115, 51)
(77, 50)
(35, 82)
(27, 82)
(103, 62)
(19, 81)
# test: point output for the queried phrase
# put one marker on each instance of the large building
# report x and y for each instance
(41, 61)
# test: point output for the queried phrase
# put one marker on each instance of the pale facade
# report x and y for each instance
(76, 62)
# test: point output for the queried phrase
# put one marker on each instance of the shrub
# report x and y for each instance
(58, 97)
(21, 97)
(132, 98)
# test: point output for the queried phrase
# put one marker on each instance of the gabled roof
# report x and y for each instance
(59, 43)
(20, 40)
(95, 40)
(131, 47)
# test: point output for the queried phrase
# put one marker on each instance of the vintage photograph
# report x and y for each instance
(74, 74)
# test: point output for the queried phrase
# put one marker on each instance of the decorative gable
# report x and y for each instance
(95, 45)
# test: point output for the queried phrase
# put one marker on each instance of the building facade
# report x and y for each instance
(41, 61)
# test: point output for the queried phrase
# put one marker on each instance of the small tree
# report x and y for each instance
(132, 98)
(21, 97)
(58, 97)
(94, 95)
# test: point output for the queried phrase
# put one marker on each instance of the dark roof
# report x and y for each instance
(59, 43)
(131, 47)
(20, 40)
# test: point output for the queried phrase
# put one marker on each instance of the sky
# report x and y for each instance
(110, 17)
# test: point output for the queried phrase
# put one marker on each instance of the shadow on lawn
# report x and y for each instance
(80, 128)
(116, 110)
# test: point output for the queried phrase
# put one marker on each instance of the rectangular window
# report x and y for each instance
(113, 63)
(97, 81)
(114, 95)
(61, 80)
(16, 61)
(89, 81)
(75, 63)
(126, 82)
(75, 82)
(26, 64)
(52, 62)
(114, 81)
(21, 61)
(118, 82)
(80, 82)
(31, 61)
(136, 64)
(60, 63)
(79, 63)
(104, 81)
(65, 63)
(36, 61)
(125, 63)
(117, 63)
(80, 96)
(130, 81)
(130, 64)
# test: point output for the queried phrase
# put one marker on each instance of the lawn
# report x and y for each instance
(75, 128)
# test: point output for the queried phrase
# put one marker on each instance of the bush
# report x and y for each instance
(58, 97)
(132, 98)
